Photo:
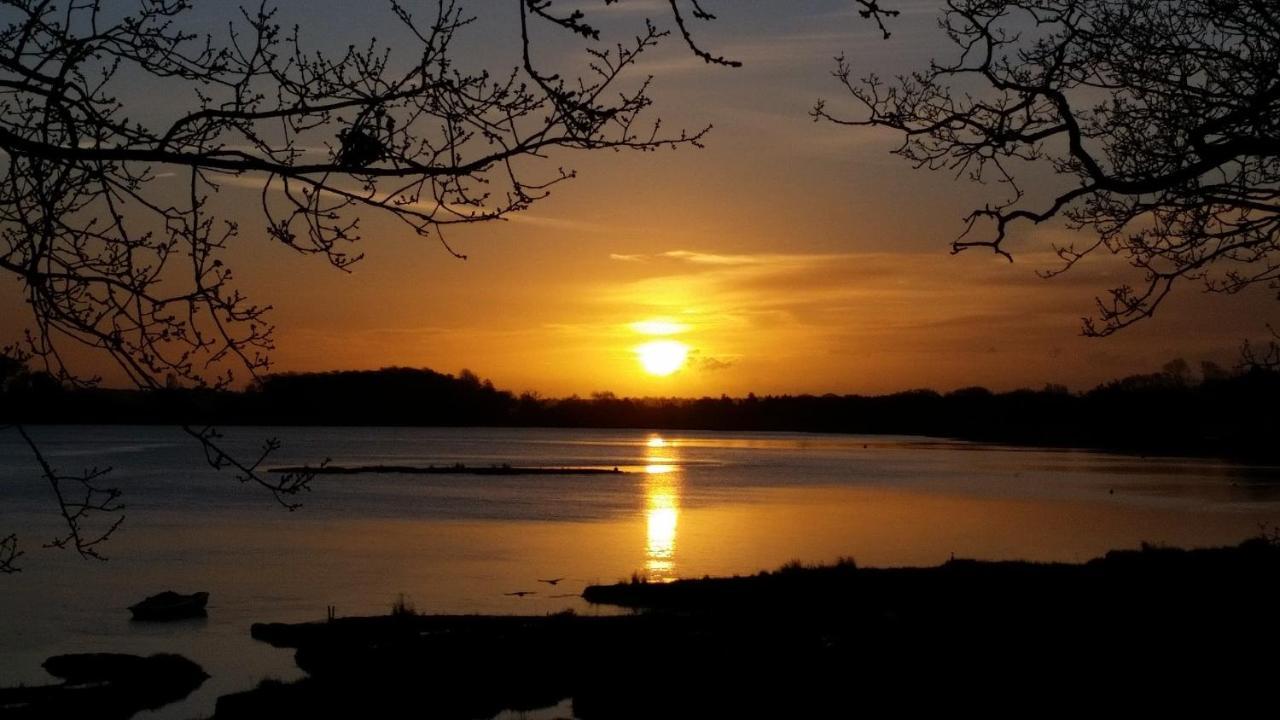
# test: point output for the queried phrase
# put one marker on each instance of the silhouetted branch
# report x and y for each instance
(699, 14)
(1266, 356)
(112, 226)
(9, 553)
(92, 235)
(283, 486)
(871, 10)
(108, 257)
(573, 22)
(1159, 115)
(79, 499)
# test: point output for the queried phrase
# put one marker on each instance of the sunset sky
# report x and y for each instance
(786, 256)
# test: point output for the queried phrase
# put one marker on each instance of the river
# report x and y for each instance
(686, 504)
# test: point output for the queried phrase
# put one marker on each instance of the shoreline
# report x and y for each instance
(789, 641)
(798, 641)
(1223, 414)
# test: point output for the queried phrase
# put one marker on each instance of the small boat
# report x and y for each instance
(170, 605)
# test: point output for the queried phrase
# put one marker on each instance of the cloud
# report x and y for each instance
(790, 296)
(694, 257)
(699, 258)
(707, 363)
(634, 6)
(526, 218)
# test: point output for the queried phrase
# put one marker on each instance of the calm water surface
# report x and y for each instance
(689, 504)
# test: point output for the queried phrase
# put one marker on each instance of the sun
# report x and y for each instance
(662, 357)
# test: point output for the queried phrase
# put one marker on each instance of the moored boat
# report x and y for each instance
(170, 605)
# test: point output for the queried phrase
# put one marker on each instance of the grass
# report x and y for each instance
(403, 607)
(844, 562)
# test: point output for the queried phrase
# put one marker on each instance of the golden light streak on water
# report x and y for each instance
(662, 489)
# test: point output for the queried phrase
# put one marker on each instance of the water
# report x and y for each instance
(689, 504)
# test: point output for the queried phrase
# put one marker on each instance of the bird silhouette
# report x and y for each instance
(522, 593)
(553, 581)
(566, 595)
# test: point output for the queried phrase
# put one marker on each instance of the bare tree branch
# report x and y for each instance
(1160, 116)
(111, 253)
(9, 554)
(93, 236)
(1265, 356)
(282, 487)
(80, 500)
(115, 228)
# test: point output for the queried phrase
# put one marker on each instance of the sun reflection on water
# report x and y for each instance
(662, 508)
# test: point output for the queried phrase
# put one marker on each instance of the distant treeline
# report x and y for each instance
(1173, 411)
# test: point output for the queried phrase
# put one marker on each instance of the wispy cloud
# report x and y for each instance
(841, 291)
(694, 257)
(707, 363)
(559, 223)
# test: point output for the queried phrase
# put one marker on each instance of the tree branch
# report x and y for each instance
(1158, 117)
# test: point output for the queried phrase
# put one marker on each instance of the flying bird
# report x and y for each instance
(553, 581)
(522, 593)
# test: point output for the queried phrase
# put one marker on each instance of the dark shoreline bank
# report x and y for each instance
(1144, 631)
(108, 686)
(1227, 416)
(808, 641)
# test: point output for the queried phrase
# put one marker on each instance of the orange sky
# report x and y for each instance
(799, 257)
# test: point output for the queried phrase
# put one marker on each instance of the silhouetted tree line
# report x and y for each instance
(1173, 411)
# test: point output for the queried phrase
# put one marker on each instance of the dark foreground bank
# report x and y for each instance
(104, 686)
(1133, 632)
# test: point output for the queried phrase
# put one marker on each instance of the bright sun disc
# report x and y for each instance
(662, 357)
